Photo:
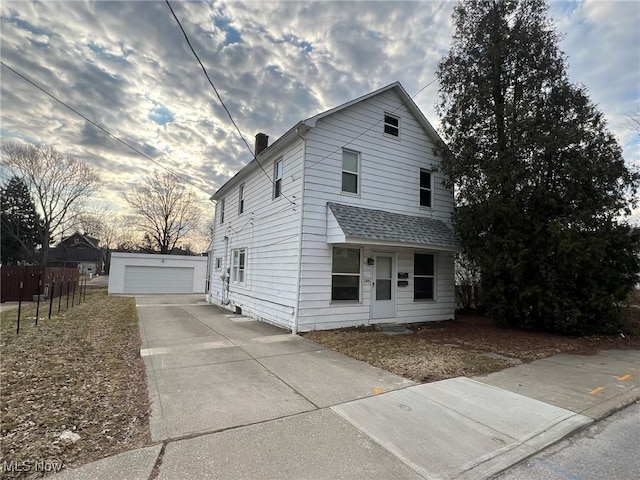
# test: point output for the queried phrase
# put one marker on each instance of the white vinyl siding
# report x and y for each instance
(388, 180)
(269, 232)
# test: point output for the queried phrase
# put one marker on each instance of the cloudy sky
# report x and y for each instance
(126, 66)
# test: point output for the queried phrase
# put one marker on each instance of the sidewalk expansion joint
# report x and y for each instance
(155, 471)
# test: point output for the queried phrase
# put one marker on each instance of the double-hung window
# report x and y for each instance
(241, 199)
(345, 274)
(423, 276)
(238, 265)
(391, 125)
(221, 210)
(350, 171)
(277, 179)
(425, 189)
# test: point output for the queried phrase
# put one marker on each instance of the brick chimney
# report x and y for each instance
(262, 142)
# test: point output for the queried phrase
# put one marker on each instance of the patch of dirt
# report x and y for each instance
(81, 372)
(470, 345)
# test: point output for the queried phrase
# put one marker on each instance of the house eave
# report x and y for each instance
(390, 244)
(267, 154)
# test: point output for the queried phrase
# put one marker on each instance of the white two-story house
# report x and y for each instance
(342, 221)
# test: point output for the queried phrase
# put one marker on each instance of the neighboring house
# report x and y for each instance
(80, 250)
(351, 225)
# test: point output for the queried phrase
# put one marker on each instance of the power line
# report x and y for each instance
(186, 37)
(100, 127)
(372, 126)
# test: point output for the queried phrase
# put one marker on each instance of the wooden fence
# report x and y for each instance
(53, 281)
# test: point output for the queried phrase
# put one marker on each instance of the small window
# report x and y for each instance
(423, 276)
(76, 240)
(222, 211)
(350, 168)
(391, 125)
(238, 265)
(218, 263)
(425, 188)
(277, 179)
(241, 199)
(345, 274)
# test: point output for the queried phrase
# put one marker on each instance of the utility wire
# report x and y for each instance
(101, 128)
(372, 126)
(186, 37)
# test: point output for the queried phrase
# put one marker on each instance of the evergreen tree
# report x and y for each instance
(541, 184)
(20, 223)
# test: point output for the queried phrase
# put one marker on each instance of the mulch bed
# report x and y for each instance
(469, 345)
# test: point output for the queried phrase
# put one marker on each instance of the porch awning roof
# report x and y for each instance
(348, 224)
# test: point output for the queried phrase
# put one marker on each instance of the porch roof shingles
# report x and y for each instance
(368, 224)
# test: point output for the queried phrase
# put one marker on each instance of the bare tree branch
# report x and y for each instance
(166, 211)
(60, 185)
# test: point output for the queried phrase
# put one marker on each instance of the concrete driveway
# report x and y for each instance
(237, 399)
(210, 370)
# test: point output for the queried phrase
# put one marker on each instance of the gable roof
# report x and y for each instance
(84, 239)
(406, 100)
(305, 125)
(359, 223)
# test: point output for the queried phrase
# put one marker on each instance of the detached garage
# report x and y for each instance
(140, 273)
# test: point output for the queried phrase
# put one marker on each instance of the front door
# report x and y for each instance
(383, 292)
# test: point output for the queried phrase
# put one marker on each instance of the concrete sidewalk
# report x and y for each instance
(237, 399)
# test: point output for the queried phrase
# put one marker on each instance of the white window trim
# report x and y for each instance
(384, 124)
(241, 195)
(431, 189)
(358, 174)
(360, 276)
(434, 276)
(221, 211)
(235, 268)
(276, 178)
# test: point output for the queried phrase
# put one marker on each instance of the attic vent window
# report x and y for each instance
(76, 240)
(391, 125)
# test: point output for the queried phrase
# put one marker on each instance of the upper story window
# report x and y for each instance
(426, 192)
(391, 125)
(277, 179)
(241, 199)
(222, 211)
(350, 171)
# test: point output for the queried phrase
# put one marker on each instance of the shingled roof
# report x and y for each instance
(364, 223)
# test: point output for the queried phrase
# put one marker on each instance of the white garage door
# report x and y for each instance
(158, 279)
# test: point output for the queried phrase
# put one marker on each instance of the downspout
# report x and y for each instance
(226, 274)
(296, 317)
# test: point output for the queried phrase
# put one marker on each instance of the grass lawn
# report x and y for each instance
(80, 371)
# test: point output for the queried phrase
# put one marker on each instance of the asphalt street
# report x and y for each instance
(609, 449)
